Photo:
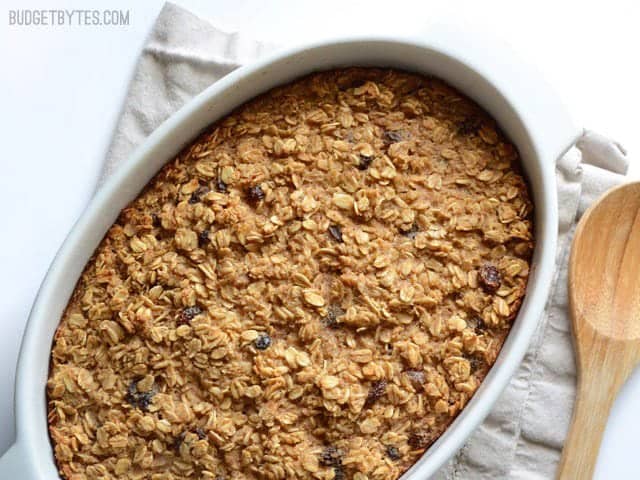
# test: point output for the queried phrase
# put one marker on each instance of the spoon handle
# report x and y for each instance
(589, 420)
(600, 376)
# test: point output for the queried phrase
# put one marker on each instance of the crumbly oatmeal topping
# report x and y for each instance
(313, 289)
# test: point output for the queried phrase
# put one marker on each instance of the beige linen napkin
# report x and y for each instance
(523, 435)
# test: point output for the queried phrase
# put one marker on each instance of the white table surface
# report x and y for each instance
(62, 89)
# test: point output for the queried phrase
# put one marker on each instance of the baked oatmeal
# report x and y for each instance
(314, 288)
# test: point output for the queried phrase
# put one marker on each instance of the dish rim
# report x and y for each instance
(94, 220)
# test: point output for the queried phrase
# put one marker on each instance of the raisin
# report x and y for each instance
(376, 391)
(477, 323)
(338, 473)
(144, 400)
(262, 342)
(365, 161)
(391, 136)
(203, 238)
(137, 399)
(468, 126)
(392, 452)
(197, 195)
(178, 441)
(417, 379)
(221, 186)
(412, 232)
(336, 233)
(477, 362)
(331, 319)
(188, 314)
(255, 194)
(132, 390)
(155, 220)
(201, 433)
(331, 457)
(490, 278)
(420, 439)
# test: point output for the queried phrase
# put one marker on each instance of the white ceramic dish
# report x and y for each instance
(512, 93)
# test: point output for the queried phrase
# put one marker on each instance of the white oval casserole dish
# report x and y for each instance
(523, 105)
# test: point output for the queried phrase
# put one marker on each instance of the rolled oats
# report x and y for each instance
(313, 289)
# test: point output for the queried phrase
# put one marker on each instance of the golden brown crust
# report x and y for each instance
(313, 289)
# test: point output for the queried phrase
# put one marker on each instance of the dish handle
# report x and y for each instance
(14, 464)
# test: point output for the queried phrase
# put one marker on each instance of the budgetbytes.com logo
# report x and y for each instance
(60, 17)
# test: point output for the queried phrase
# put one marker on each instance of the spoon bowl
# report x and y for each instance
(604, 295)
(605, 266)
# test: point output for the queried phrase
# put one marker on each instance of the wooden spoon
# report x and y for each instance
(604, 295)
